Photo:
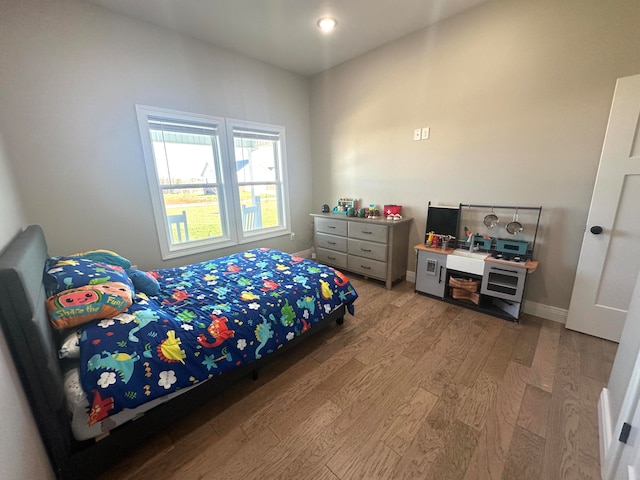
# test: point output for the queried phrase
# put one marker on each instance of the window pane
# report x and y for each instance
(259, 207)
(193, 212)
(184, 156)
(256, 156)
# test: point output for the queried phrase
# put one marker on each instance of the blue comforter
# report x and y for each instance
(210, 317)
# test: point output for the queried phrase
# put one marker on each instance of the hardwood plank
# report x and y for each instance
(354, 458)
(141, 458)
(411, 318)
(404, 428)
(527, 342)
(474, 361)
(561, 448)
(285, 420)
(592, 358)
(453, 460)
(374, 460)
(253, 403)
(588, 443)
(213, 457)
(498, 359)
(415, 348)
(525, 456)
(490, 455)
(421, 455)
(465, 336)
(534, 412)
(270, 461)
(546, 355)
(478, 401)
(292, 390)
(350, 438)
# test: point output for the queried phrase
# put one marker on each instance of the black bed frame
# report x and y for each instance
(33, 346)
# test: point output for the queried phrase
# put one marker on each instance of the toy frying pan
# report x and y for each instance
(514, 227)
(491, 220)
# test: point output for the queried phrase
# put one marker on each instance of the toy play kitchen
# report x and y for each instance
(478, 256)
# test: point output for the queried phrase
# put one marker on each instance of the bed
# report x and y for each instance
(206, 326)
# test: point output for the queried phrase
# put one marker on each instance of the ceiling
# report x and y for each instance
(284, 33)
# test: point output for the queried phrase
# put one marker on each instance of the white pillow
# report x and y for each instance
(70, 347)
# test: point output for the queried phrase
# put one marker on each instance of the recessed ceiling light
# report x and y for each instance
(326, 24)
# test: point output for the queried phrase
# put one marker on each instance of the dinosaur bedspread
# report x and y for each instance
(210, 317)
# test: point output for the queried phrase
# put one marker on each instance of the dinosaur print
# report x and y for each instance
(302, 280)
(264, 332)
(305, 325)
(100, 408)
(340, 280)
(327, 293)
(143, 318)
(122, 363)
(248, 296)
(269, 285)
(169, 349)
(232, 268)
(308, 303)
(218, 330)
(288, 315)
(177, 296)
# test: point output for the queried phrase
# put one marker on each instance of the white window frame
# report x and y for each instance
(228, 191)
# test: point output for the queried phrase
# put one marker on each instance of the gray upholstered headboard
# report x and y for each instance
(32, 342)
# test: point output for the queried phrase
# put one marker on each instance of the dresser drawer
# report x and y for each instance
(329, 225)
(364, 231)
(330, 257)
(362, 248)
(331, 242)
(367, 267)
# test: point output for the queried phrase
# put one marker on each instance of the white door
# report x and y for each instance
(610, 256)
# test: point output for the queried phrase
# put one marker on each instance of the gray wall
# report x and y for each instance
(72, 73)
(517, 95)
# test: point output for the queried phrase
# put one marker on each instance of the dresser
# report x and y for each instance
(376, 248)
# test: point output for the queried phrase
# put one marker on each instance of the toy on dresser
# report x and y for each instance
(346, 206)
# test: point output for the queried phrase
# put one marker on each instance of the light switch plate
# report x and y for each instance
(426, 131)
(416, 134)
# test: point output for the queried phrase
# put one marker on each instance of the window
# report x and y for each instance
(214, 182)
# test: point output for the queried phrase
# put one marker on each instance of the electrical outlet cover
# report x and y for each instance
(416, 134)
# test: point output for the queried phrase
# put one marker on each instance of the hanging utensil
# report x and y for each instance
(514, 227)
(491, 220)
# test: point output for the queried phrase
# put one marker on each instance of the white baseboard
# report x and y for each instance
(545, 311)
(604, 430)
(541, 310)
(304, 253)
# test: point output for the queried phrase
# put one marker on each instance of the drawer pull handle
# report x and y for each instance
(331, 226)
(368, 233)
(365, 249)
(504, 270)
(365, 267)
(331, 258)
(331, 243)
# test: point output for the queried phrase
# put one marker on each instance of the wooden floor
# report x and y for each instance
(410, 387)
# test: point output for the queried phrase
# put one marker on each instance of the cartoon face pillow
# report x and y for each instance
(90, 302)
(64, 273)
